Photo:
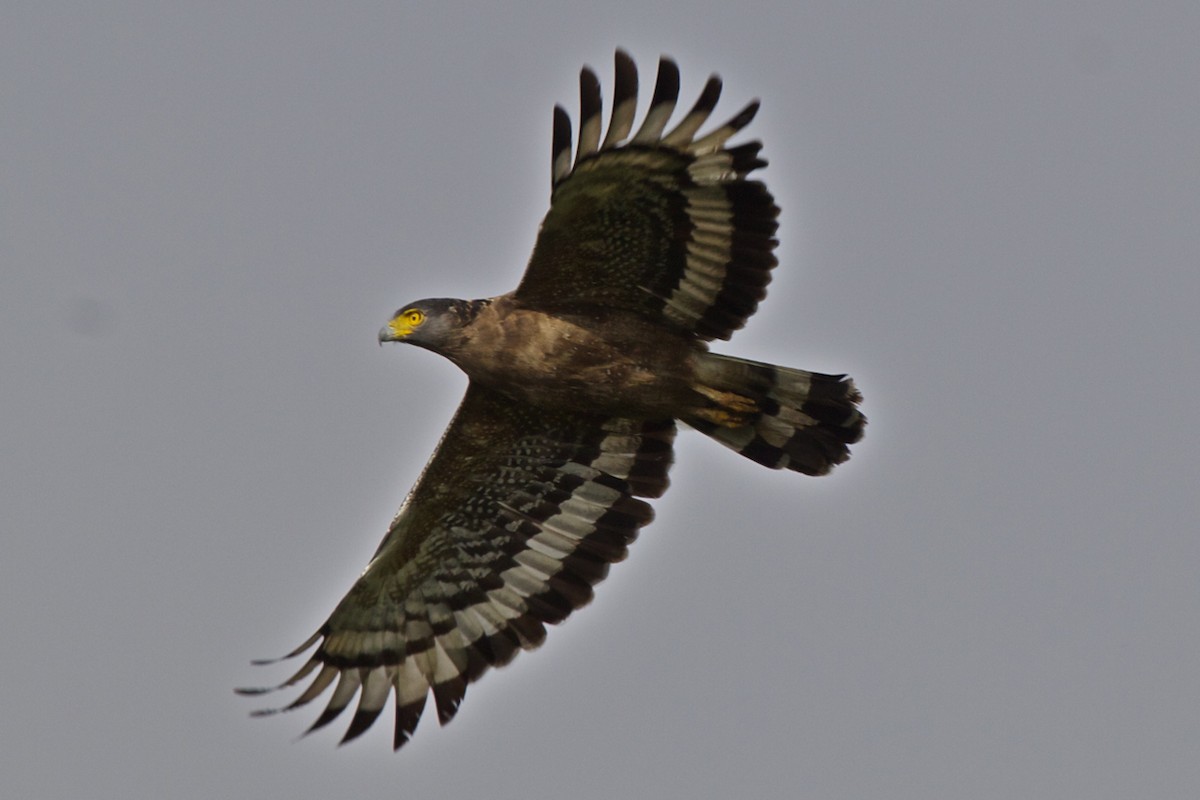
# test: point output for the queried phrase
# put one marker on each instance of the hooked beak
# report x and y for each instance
(392, 332)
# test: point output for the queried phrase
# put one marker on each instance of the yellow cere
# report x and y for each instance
(404, 323)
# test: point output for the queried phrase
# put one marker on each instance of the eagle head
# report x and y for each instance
(434, 324)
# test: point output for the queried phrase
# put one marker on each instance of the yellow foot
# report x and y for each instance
(731, 409)
(729, 400)
(722, 417)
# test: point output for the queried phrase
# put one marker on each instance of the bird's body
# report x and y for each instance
(655, 244)
(606, 361)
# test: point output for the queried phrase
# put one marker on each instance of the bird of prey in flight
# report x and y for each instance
(656, 243)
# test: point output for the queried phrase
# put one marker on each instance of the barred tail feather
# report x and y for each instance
(776, 416)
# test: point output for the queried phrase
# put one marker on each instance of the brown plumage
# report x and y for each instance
(654, 245)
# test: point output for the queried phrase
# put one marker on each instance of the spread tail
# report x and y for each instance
(779, 417)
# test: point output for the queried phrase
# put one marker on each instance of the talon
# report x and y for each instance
(731, 410)
(723, 417)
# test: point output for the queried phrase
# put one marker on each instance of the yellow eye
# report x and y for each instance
(403, 324)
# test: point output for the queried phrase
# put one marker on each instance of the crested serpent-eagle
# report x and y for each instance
(654, 245)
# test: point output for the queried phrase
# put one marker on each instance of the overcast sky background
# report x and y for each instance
(991, 218)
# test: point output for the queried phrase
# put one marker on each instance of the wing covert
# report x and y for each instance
(516, 517)
(664, 224)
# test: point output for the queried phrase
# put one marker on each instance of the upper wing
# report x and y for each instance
(517, 515)
(666, 225)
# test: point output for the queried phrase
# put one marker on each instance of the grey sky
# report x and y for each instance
(989, 219)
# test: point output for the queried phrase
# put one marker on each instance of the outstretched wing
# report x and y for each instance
(517, 515)
(663, 224)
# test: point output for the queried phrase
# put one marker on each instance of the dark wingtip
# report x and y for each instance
(626, 77)
(589, 94)
(560, 149)
(448, 696)
(407, 717)
(666, 84)
(746, 115)
(327, 716)
(361, 721)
